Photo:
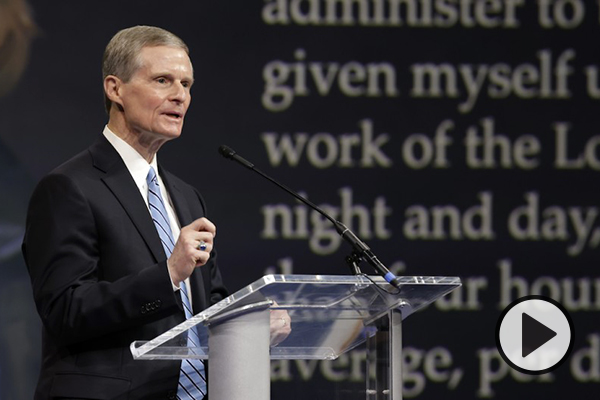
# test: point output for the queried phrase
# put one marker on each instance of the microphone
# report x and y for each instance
(359, 247)
(229, 153)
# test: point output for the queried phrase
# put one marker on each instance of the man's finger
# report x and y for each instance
(204, 225)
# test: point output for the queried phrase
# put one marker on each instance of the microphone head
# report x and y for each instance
(226, 151)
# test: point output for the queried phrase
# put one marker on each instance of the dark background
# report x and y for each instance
(56, 110)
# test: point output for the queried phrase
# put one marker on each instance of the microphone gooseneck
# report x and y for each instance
(360, 248)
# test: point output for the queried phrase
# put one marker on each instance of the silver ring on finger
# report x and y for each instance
(202, 245)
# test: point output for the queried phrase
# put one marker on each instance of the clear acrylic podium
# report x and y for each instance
(330, 315)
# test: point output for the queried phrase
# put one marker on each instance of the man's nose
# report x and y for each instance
(180, 92)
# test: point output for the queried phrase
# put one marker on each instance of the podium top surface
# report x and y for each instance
(330, 314)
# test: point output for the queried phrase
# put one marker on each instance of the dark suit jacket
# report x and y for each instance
(100, 279)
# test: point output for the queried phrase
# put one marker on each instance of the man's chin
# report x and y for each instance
(169, 133)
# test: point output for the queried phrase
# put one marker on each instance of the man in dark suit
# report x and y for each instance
(100, 275)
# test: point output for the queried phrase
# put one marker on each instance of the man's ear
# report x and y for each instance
(112, 89)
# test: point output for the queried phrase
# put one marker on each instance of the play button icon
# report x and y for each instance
(534, 334)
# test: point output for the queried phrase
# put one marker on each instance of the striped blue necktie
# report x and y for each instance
(192, 381)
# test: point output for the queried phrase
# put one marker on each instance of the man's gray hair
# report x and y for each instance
(121, 57)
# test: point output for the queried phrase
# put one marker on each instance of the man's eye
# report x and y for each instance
(161, 80)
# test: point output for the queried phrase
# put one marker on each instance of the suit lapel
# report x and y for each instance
(177, 198)
(118, 179)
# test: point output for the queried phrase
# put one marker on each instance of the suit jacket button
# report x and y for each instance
(171, 395)
(158, 303)
(144, 309)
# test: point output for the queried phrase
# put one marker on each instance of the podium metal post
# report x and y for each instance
(239, 357)
(384, 359)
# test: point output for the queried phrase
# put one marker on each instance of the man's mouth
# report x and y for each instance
(175, 115)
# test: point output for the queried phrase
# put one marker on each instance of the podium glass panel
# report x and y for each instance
(330, 314)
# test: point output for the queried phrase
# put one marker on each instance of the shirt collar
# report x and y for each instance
(136, 164)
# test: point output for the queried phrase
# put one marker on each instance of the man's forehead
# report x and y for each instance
(159, 57)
